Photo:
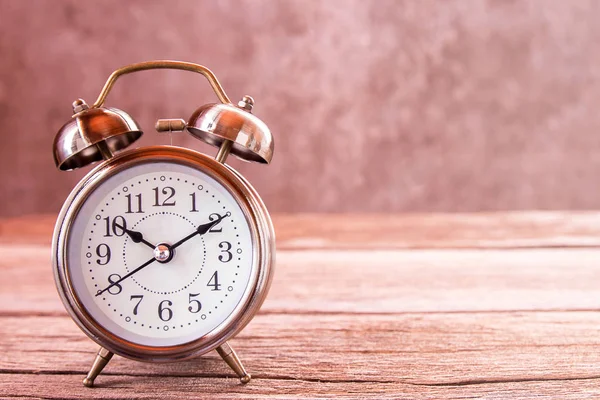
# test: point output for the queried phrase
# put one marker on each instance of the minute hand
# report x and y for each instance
(201, 230)
(144, 265)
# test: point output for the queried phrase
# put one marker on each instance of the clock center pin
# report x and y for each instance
(163, 253)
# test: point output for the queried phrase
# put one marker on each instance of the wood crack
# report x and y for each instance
(502, 381)
(276, 377)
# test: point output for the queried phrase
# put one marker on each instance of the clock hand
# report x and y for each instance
(144, 265)
(200, 230)
(136, 237)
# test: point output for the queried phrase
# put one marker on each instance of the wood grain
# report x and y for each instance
(399, 231)
(513, 315)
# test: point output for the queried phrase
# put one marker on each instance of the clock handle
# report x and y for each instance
(163, 64)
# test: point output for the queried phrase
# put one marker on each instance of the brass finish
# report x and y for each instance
(104, 150)
(162, 64)
(246, 103)
(170, 125)
(79, 105)
(230, 357)
(96, 133)
(92, 135)
(78, 143)
(102, 358)
(217, 123)
(224, 151)
(261, 230)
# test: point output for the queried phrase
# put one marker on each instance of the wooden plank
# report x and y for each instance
(418, 348)
(142, 387)
(390, 281)
(403, 353)
(491, 306)
(377, 231)
(434, 230)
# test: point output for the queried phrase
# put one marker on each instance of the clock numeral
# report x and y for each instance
(164, 312)
(116, 289)
(167, 191)
(130, 204)
(214, 229)
(214, 282)
(225, 246)
(193, 196)
(117, 227)
(103, 251)
(139, 298)
(198, 306)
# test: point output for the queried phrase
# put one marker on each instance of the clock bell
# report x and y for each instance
(97, 133)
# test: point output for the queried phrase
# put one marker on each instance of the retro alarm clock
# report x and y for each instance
(162, 253)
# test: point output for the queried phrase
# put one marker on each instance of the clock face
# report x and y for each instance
(160, 254)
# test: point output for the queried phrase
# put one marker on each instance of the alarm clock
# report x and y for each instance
(162, 253)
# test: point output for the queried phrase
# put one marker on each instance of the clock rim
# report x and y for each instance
(263, 259)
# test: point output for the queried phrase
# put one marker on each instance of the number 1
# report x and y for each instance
(193, 195)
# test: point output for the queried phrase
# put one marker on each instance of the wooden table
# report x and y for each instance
(416, 306)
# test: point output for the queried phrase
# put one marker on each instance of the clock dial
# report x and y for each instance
(160, 254)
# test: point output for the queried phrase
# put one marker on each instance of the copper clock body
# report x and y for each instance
(257, 219)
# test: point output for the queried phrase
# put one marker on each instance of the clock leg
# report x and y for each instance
(102, 358)
(228, 355)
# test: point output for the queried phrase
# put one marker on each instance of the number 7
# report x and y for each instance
(136, 296)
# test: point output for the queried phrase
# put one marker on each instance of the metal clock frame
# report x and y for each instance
(263, 238)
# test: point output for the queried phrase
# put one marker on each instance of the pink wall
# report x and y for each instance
(375, 105)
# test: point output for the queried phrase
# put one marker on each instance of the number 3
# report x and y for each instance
(225, 246)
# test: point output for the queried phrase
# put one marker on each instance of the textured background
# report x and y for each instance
(375, 106)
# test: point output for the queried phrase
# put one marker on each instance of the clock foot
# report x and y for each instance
(228, 355)
(102, 358)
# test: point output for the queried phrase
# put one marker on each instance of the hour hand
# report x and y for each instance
(135, 236)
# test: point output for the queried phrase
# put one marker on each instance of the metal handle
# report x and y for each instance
(163, 64)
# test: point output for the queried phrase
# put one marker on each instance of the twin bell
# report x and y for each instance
(97, 133)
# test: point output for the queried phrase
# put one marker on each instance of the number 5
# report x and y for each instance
(198, 304)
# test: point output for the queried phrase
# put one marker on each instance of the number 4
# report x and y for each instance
(214, 282)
